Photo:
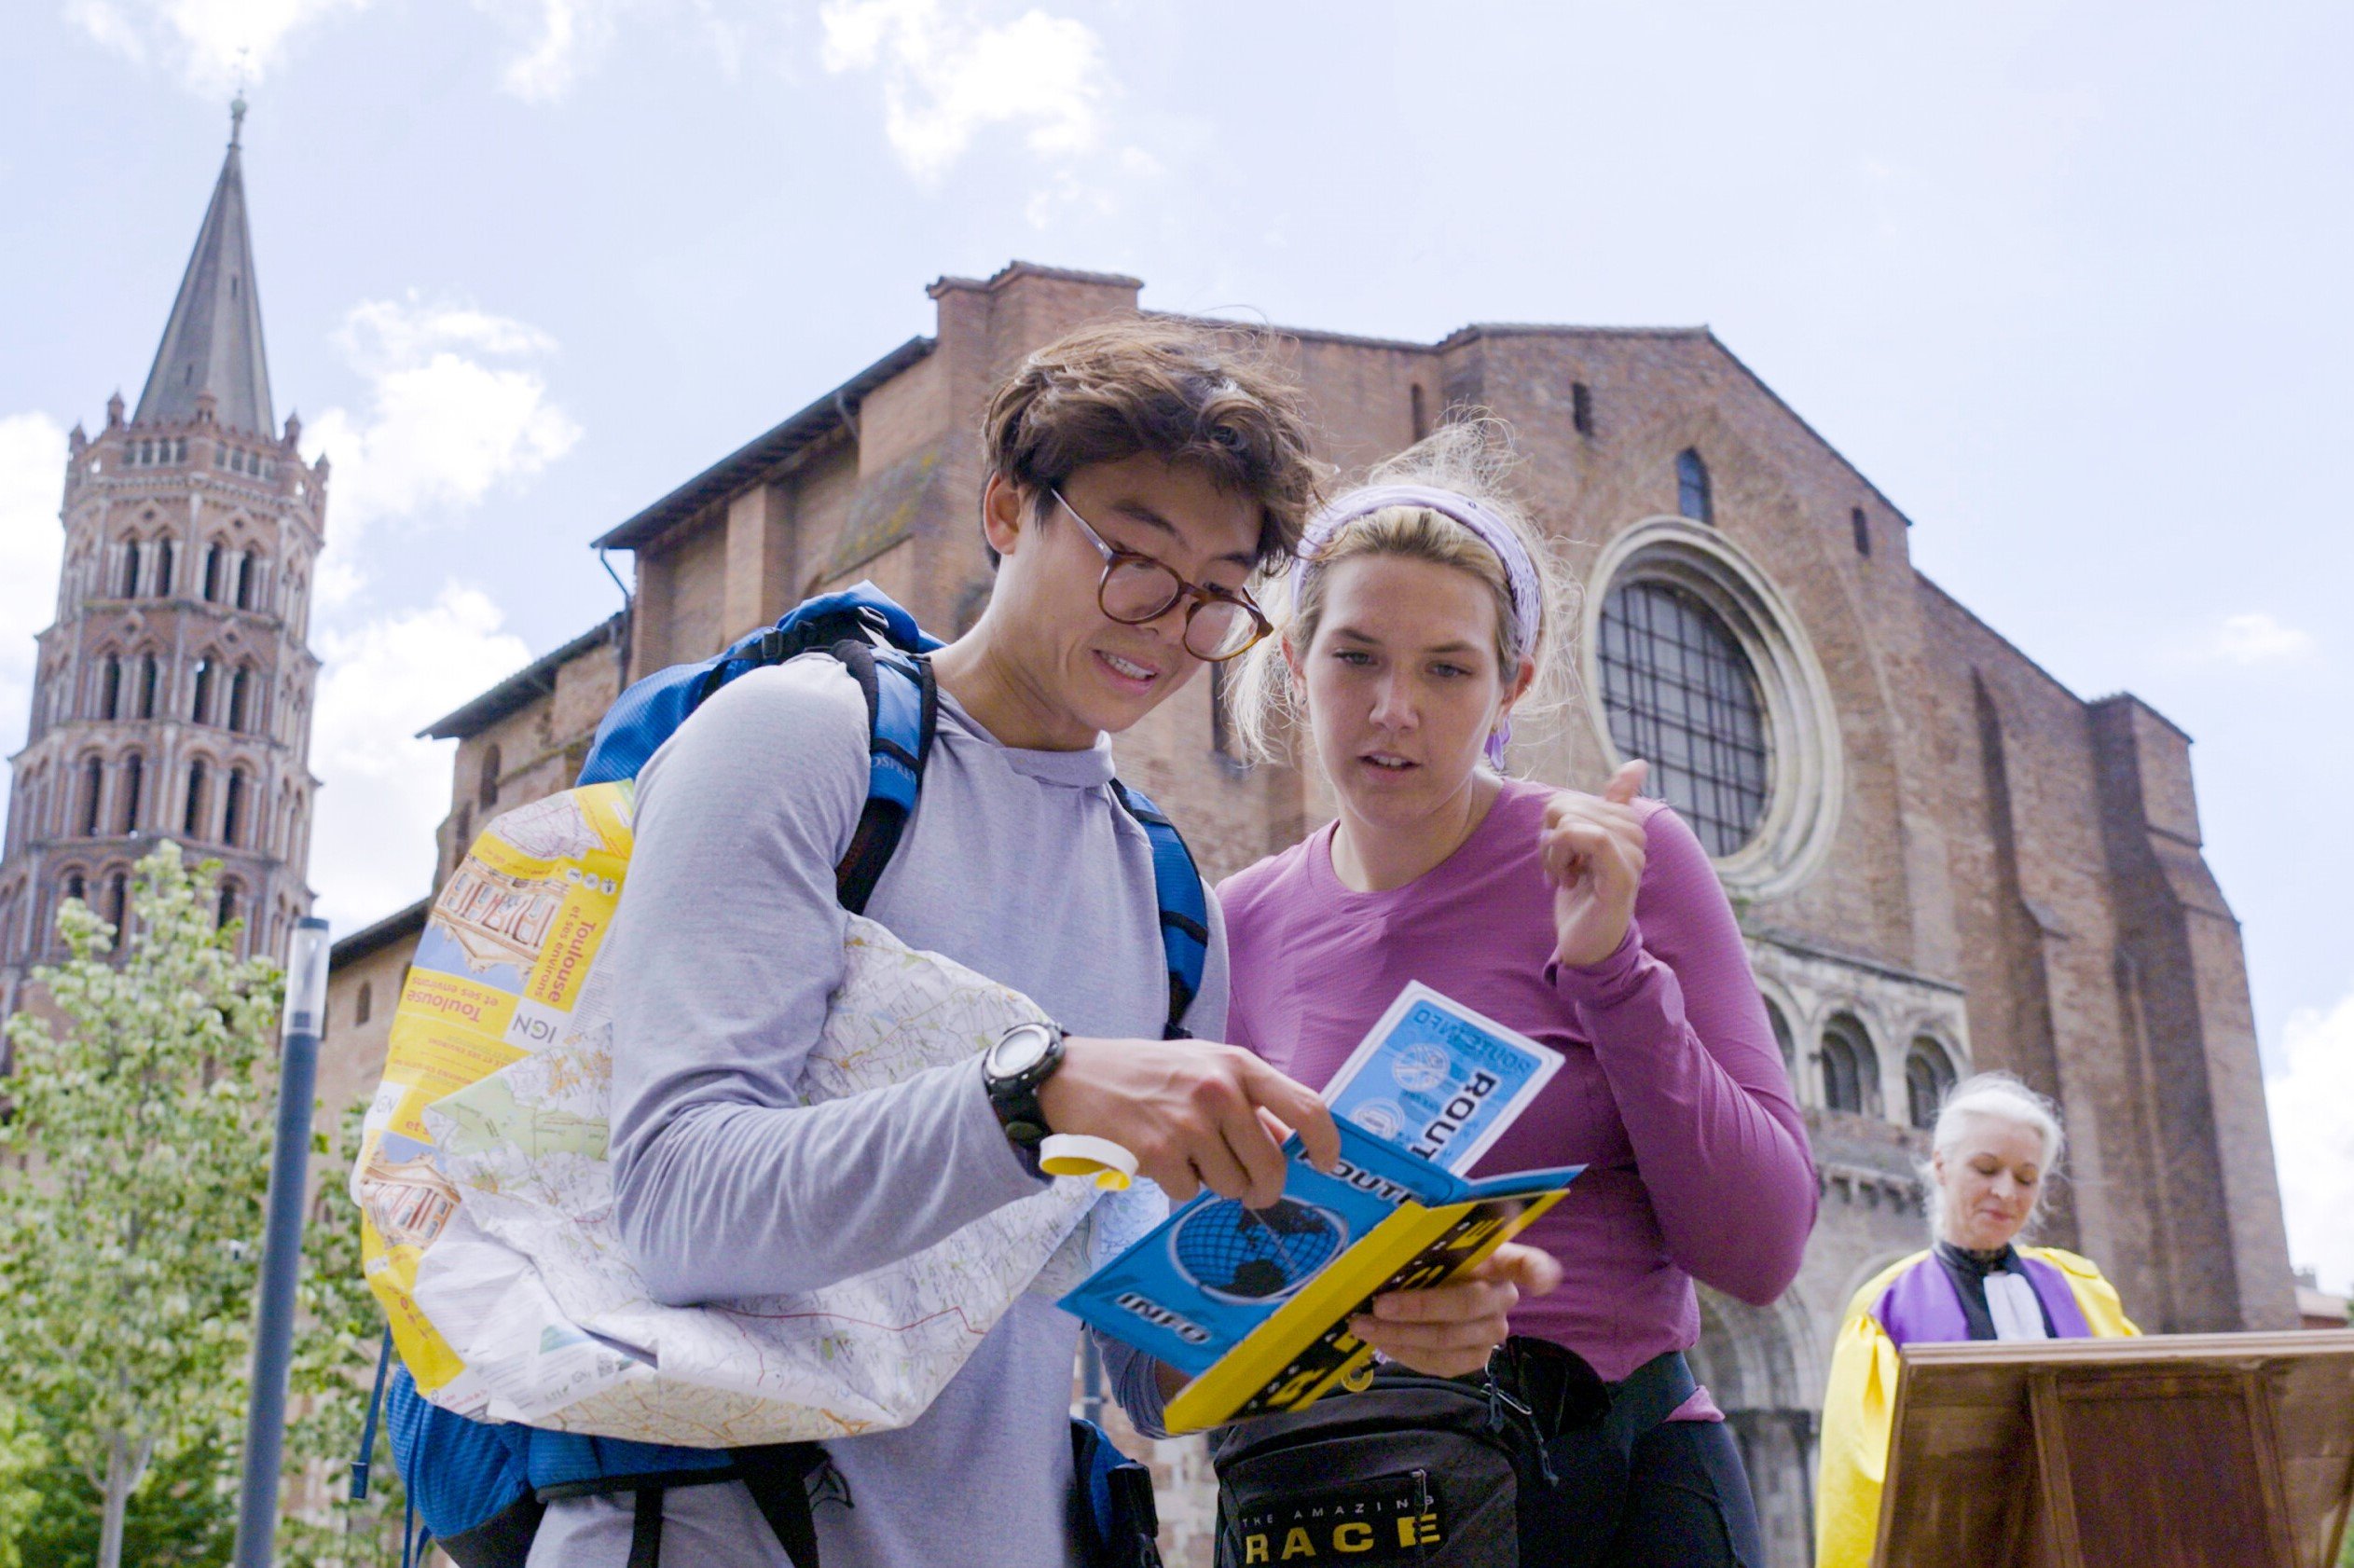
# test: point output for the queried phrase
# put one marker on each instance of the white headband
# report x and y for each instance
(1520, 571)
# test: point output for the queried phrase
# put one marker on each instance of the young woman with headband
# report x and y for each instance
(1426, 614)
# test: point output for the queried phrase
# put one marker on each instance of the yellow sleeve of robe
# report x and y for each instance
(2104, 1313)
(1861, 1402)
(1856, 1410)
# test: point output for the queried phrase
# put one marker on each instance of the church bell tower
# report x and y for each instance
(173, 696)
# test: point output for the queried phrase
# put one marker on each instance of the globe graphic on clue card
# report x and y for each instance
(1256, 1254)
(1420, 1069)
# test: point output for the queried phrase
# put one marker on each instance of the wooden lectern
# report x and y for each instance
(2190, 1450)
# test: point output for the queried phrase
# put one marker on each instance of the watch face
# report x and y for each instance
(1018, 1052)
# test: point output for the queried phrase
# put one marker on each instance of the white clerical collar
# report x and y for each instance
(2010, 1300)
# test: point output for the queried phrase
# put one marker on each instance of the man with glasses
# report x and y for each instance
(1139, 472)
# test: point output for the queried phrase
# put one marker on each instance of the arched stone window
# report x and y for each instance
(93, 795)
(1851, 1073)
(131, 569)
(150, 679)
(192, 819)
(119, 903)
(225, 911)
(360, 1005)
(167, 556)
(1692, 498)
(246, 581)
(240, 685)
(201, 693)
(134, 777)
(1678, 690)
(233, 808)
(75, 888)
(211, 578)
(486, 788)
(1696, 662)
(1782, 1038)
(1928, 1078)
(110, 688)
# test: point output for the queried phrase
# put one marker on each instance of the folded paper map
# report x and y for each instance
(489, 1231)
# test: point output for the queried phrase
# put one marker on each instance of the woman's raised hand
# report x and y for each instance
(1593, 847)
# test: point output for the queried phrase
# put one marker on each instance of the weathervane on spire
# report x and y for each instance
(237, 105)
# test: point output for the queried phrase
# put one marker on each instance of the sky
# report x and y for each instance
(2066, 281)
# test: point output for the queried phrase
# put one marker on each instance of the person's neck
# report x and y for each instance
(1986, 1256)
(997, 695)
(1370, 858)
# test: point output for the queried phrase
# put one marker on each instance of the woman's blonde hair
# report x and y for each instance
(1472, 457)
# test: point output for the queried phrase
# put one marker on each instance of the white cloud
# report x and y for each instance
(729, 38)
(32, 544)
(2256, 639)
(563, 37)
(384, 790)
(2312, 1101)
(455, 407)
(213, 42)
(217, 44)
(947, 74)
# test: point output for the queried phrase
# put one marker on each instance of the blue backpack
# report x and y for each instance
(479, 1487)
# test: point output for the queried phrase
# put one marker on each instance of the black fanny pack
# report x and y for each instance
(1433, 1470)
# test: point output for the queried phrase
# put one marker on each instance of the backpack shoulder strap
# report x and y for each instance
(903, 706)
(778, 1477)
(1185, 915)
(902, 712)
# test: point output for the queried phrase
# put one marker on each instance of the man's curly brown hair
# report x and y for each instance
(1188, 392)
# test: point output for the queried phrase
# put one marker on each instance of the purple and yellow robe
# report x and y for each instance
(1915, 1300)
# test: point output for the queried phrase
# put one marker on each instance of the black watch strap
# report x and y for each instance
(1014, 1095)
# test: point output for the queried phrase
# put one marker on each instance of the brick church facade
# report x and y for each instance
(1944, 861)
(172, 693)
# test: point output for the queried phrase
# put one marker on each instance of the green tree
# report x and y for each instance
(129, 1243)
(24, 1455)
(180, 1517)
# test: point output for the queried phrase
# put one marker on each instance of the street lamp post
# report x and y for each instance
(282, 1244)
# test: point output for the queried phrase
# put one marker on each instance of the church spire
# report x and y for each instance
(214, 342)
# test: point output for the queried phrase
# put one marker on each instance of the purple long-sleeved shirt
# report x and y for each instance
(1672, 1090)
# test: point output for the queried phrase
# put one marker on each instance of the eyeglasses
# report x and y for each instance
(1219, 624)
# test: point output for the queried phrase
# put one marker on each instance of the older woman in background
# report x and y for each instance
(1996, 1145)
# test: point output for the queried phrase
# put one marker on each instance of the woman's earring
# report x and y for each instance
(1498, 738)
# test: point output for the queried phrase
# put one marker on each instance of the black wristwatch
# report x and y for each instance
(1014, 1070)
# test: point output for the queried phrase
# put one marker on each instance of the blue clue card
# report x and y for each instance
(1439, 1080)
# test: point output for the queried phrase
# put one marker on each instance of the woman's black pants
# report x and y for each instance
(1687, 1505)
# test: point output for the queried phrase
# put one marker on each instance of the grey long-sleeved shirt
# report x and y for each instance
(727, 945)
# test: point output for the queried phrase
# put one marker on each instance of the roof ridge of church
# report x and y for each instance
(212, 343)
